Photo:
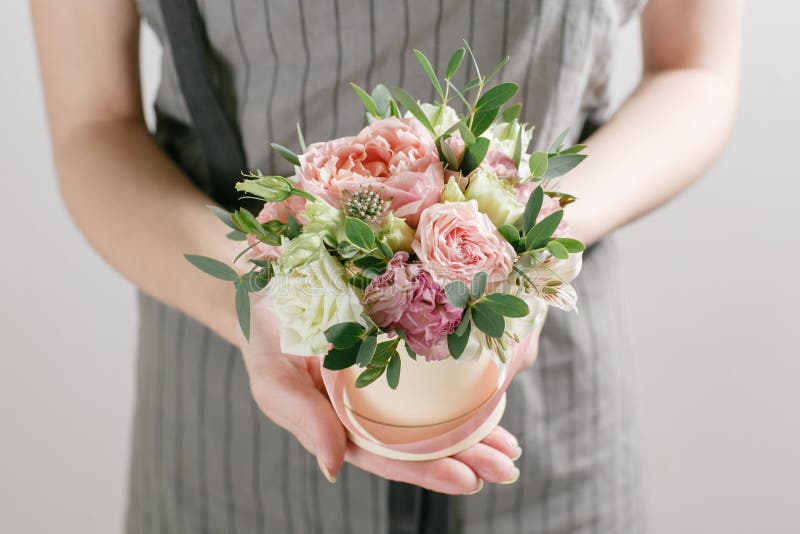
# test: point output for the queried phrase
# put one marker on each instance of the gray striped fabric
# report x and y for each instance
(205, 459)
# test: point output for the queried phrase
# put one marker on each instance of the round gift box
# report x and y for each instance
(439, 408)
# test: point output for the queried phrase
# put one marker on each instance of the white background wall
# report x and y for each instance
(713, 282)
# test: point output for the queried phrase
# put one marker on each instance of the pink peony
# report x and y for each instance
(455, 241)
(406, 298)
(499, 164)
(396, 157)
(271, 211)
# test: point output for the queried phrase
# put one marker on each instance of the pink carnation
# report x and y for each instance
(455, 241)
(406, 298)
(396, 157)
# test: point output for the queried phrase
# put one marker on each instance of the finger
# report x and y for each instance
(305, 412)
(489, 464)
(504, 441)
(445, 475)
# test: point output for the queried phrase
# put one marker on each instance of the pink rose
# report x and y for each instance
(273, 211)
(396, 157)
(499, 164)
(406, 298)
(455, 241)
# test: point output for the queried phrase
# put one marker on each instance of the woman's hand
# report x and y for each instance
(289, 391)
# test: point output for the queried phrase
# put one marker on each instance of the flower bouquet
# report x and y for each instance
(430, 242)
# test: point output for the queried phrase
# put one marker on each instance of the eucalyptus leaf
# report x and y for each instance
(457, 293)
(573, 149)
(488, 321)
(338, 359)
(215, 268)
(359, 233)
(538, 164)
(560, 165)
(366, 350)
(371, 266)
(223, 215)
(359, 281)
(473, 155)
(482, 118)
(511, 112)
(393, 370)
(510, 233)
(466, 133)
(478, 284)
(517, 156)
(370, 375)
(559, 142)
(573, 246)
(558, 250)
(457, 342)
(474, 61)
(236, 235)
(507, 305)
(497, 95)
(532, 209)
(385, 250)
(410, 103)
(292, 226)
(383, 99)
(454, 63)
(286, 154)
(426, 66)
(541, 232)
(497, 69)
(300, 139)
(243, 309)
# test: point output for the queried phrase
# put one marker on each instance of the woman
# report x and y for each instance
(238, 73)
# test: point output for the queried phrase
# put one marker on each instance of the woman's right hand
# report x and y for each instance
(289, 391)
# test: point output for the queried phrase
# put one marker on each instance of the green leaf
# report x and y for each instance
(454, 63)
(507, 305)
(473, 155)
(573, 149)
(542, 231)
(393, 370)
(346, 250)
(367, 101)
(338, 359)
(488, 321)
(366, 350)
(236, 235)
(559, 165)
(371, 266)
(457, 293)
(359, 233)
(300, 139)
(559, 142)
(246, 223)
(223, 215)
(447, 154)
(383, 352)
(497, 95)
(558, 250)
(370, 375)
(474, 61)
(517, 156)
(538, 164)
(359, 281)
(532, 208)
(510, 233)
(393, 110)
(215, 268)
(408, 102)
(482, 118)
(457, 341)
(286, 154)
(511, 112)
(573, 246)
(344, 335)
(385, 250)
(383, 99)
(426, 66)
(496, 69)
(478, 284)
(292, 226)
(243, 308)
(466, 133)
(463, 325)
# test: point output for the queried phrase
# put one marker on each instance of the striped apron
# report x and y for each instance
(237, 74)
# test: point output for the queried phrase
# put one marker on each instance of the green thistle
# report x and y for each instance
(366, 205)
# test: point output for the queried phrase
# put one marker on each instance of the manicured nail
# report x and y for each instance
(517, 455)
(330, 478)
(514, 477)
(476, 490)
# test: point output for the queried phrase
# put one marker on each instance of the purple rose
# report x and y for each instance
(407, 298)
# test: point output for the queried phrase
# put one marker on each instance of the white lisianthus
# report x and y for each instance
(495, 197)
(322, 218)
(502, 137)
(441, 117)
(397, 234)
(452, 192)
(310, 294)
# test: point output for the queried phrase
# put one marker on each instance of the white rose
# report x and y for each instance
(495, 197)
(324, 219)
(309, 294)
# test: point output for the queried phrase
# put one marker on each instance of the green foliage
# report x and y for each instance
(426, 66)
(572, 245)
(511, 112)
(457, 293)
(366, 350)
(538, 235)
(457, 341)
(478, 284)
(359, 233)
(223, 215)
(393, 370)
(488, 320)
(532, 209)
(507, 305)
(558, 250)
(562, 164)
(286, 154)
(344, 335)
(510, 233)
(384, 101)
(538, 164)
(215, 268)
(498, 95)
(473, 155)
(243, 308)
(338, 359)
(454, 63)
(367, 101)
(411, 104)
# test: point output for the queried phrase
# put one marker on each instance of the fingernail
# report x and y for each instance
(513, 478)
(517, 455)
(330, 478)
(476, 490)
